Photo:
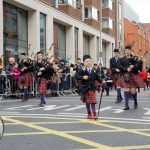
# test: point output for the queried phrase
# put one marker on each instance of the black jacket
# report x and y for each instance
(113, 65)
(47, 73)
(28, 63)
(9, 68)
(124, 63)
(88, 85)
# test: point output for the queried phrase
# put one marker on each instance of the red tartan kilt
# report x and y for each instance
(114, 82)
(136, 81)
(90, 97)
(42, 86)
(28, 79)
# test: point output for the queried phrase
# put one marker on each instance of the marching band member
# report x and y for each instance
(88, 75)
(43, 71)
(116, 73)
(25, 66)
(129, 78)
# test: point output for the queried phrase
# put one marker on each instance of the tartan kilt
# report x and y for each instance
(114, 82)
(42, 86)
(28, 79)
(90, 97)
(135, 81)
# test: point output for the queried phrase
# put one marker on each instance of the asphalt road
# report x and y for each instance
(63, 125)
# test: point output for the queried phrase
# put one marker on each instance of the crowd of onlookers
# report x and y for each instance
(62, 80)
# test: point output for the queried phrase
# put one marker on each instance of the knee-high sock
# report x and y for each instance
(93, 107)
(42, 98)
(25, 92)
(88, 107)
(118, 92)
(127, 96)
(135, 97)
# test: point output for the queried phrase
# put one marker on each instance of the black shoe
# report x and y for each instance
(121, 98)
(135, 106)
(41, 105)
(126, 108)
(44, 102)
(117, 101)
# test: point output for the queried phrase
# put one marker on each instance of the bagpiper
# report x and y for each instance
(43, 72)
(25, 67)
(129, 78)
(116, 73)
(88, 75)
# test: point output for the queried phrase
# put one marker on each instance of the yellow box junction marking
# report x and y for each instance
(61, 134)
(66, 135)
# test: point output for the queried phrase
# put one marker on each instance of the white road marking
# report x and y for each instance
(74, 108)
(148, 112)
(49, 107)
(18, 108)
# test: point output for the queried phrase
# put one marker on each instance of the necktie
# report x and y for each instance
(89, 71)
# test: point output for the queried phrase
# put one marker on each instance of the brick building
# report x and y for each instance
(74, 27)
(137, 35)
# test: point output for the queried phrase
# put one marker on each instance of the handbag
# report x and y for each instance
(22, 79)
(127, 77)
(116, 77)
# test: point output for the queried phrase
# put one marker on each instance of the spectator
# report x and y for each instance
(15, 71)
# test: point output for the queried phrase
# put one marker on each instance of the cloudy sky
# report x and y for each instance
(142, 7)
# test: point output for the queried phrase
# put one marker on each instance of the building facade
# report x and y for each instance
(138, 36)
(68, 28)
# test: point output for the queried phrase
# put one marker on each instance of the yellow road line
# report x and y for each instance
(117, 128)
(133, 147)
(26, 133)
(64, 135)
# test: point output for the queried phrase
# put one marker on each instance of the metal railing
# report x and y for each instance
(60, 84)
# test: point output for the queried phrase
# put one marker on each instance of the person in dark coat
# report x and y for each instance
(116, 73)
(88, 75)
(129, 78)
(43, 71)
(25, 67)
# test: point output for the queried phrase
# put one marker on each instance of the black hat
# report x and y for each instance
(104, 68)
(39, 52)
(128, 47)
(86, 57)
(116, 50)
(23, 53)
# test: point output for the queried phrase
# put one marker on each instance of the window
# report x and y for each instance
(120, 12)
(76, 42)
(15, 31)
(59, 40)
(43, 33)
(107, 23)
(71, 2)
(120, 31)
(91, 12)
(86, 44)
(98, 48)
(107, 4)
